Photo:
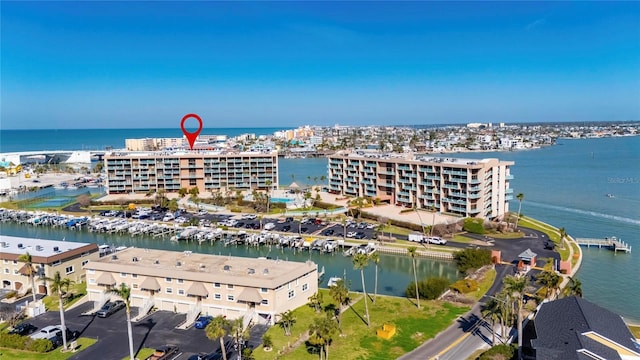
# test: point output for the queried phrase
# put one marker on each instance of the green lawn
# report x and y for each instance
(78, 290)
(414, 326)
(142, 354)
(55, 354)
(484, 284)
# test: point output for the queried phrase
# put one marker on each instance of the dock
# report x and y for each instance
(611, 243)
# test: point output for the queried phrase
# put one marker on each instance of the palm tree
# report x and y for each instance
(124, 292)
(340, 294)
(315, 301)
(360, 261)
(563, 235)
(217, 329)
(376, 260)
(411, 250)
(550, 281)
(573, 288)
(239, 333)
(520, 198)
(27, 259)
(287, 319)
(58, 286)
(491, 310)
(515, 286)
(321, 333)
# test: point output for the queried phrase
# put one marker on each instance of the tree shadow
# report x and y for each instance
(466, 324)
(93, 318)
(358, 314)
(149, 324)
(477, 331)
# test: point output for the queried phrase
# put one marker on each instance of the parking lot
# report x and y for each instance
(153, 331)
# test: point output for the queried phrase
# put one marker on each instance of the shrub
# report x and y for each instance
(429, 289)
(465, 286)
(13, 341)
(266, 341)
(499, 352)
(474, 225)
(472, 259)
(39, 345)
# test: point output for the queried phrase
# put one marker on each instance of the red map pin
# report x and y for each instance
(191, 137)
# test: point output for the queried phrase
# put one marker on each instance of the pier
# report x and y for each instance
(611, 243)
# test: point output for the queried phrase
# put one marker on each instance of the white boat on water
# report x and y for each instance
(333, 281)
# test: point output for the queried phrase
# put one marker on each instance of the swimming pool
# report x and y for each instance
(281, 200)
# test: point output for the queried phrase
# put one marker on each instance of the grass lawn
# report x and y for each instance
(142, 354)
(414, 326)
(79, 290)
(635, 330)
(484, 284)
(55, 354)
(462, 239)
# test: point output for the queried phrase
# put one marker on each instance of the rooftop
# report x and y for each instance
(36, 247)
(187, 265)
(376, 155)
(191, 153)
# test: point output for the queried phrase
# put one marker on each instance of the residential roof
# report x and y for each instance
(527, 254)
(42, 251)
(572, 327)
(150, 283)
(241, 271)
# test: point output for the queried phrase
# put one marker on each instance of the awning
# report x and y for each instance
(197, 289)
(150, 283)
(106, 279)
(250, 295)
(527, 255)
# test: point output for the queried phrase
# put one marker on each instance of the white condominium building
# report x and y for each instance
(193, 283)
(465, 187)
(138, 172)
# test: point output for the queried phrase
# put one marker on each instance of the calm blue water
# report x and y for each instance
(564, 185)
(99, 139)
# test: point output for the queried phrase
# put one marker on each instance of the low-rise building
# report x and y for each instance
(194, 283)
(48, 256)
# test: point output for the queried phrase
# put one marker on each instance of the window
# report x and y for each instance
(192, 182)
(264, 290)
(15, 271)
(134, 286)
(5, 261)
(180, 281)
(305, 287)
(180, 291)
(230, 298)
(6, 271)
(292, 293)
(91, 271)
(229, 286)
(15, 262)
(169, 290)
(167, 279)
(55, 263)
(217, 296)
(92, 281)
(84, 263)
(135, 276)
(216, 285)
(265, 302)
(123, 275)
(69, 269)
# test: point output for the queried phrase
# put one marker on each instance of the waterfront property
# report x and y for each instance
(465, 187)
(574, 328)
(193, 283)
(48, 256)
(135, 172)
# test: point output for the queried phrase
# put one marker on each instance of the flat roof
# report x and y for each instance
(187, 265)
(36, 247)
(420, 158)
(188, 153)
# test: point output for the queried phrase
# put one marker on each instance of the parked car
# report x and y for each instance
(168, 217)
(351, 234)
(328, 232)
(203, 212)
(164, 352)
(286, 228)
(269, 226)
(203, 321)
(110, 308)
(23, 329)
(436, 240)
(57, 339)
(360, 235)
(48, 332)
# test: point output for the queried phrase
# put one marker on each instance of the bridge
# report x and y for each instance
(611, 243)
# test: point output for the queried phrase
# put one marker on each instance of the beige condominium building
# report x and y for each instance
(139, 172)
(464, 187)
(47, 257)
(193, 283)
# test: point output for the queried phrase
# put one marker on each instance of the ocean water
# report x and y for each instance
(564, 185)
(99, 139)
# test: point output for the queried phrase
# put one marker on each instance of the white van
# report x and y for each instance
(168, 217)
(269, 226)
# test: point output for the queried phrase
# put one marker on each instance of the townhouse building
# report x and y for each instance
(464, 187)
(48, 256)
(139, 172)
(194, 283)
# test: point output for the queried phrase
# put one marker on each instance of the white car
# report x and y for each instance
(47, 332)
(351, 234)
(168, 217)
(269, 226)
(203, 212)
(437, 240)
(249, 216)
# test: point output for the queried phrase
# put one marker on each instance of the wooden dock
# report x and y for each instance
(611, 243)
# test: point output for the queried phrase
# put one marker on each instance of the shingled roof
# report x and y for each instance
(573, 327)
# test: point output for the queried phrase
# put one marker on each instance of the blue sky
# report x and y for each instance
(146, 64)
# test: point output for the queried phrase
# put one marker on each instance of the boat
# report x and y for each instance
(610, 195)
(333, 281)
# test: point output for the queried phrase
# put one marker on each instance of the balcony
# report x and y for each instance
(433, 177)
(386, 172)
(451, 186)
(455, 172)
(404, 167)
(508, 191)
(508, 177)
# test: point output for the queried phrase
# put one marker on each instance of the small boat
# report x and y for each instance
(333, 281)
(610, 195)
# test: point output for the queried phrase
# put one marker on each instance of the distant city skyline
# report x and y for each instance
(288, 64)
